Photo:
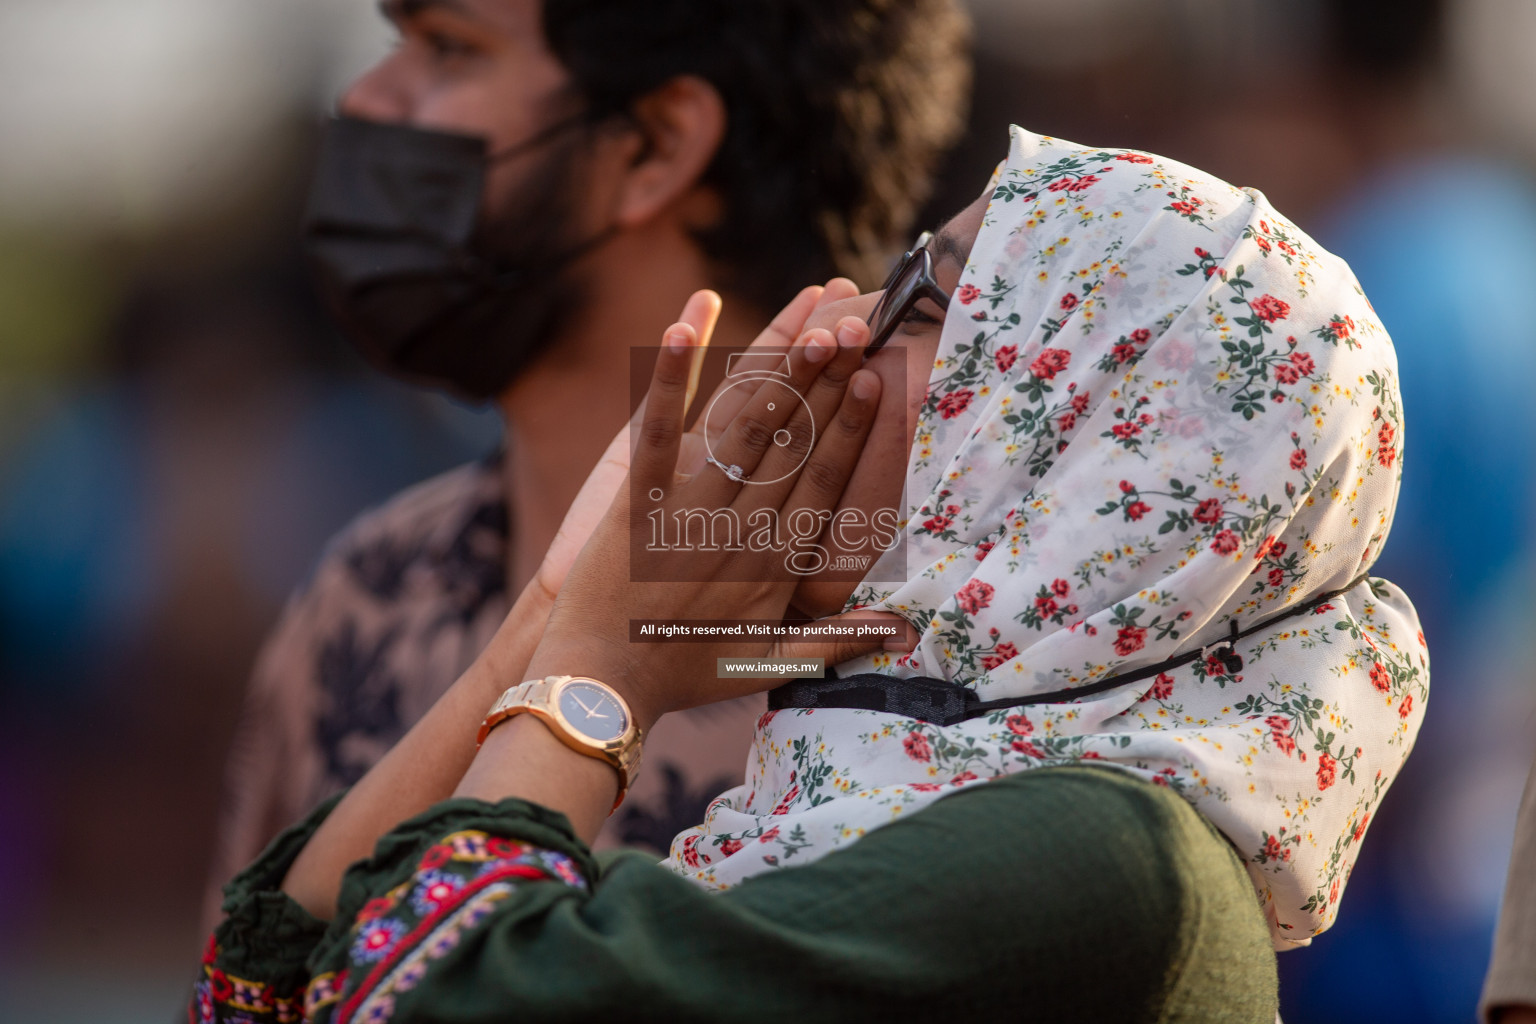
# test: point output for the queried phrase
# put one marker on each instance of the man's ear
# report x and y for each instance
(677, 130)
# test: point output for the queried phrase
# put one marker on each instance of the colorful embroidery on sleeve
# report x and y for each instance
(395, 938)
(219, 996)
(457, 884)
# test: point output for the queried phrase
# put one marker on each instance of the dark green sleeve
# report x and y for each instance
(1076, 894)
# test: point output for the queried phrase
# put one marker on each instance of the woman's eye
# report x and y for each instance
(916, 316)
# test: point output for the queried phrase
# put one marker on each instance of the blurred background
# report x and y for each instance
(181, 430)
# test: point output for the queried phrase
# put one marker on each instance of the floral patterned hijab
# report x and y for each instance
(1159, 416)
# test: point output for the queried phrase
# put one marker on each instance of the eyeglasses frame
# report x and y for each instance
(883, 322)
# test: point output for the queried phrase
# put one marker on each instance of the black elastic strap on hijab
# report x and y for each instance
(941, 702)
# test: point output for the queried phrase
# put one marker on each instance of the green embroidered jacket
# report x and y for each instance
(1060, 894)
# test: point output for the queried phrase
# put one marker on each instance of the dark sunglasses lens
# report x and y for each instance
(906, 258)
(897, 298)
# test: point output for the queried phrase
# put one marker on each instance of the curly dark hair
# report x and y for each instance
(838, 111)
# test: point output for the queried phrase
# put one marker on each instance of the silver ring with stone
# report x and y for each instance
(733, 471)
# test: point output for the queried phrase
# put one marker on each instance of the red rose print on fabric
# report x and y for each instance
(787, 800)
(1380, 677)
(1280, 734)
(974, 596)
(1072, 184)
(1269, 309)
(955, 403)
(1005, 652)
(1327, 770)
(1027, 748)
(1386, 452)
(1129, 640)
(967, 294)
(1360, 828)
(942, 519)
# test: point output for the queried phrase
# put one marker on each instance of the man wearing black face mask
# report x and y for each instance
(427, 288)
(518, 193)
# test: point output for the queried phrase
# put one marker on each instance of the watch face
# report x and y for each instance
(592, 711)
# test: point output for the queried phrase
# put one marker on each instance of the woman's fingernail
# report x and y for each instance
(677, 341)
(817, 350)
(848, 336)
(865, 385)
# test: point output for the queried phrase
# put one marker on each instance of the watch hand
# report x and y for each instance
(591, 712)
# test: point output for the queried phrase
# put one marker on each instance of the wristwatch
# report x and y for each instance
(586, 715)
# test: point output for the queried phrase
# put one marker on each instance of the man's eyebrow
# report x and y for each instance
(403, 10)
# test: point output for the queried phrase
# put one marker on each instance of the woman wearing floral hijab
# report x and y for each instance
(1159, 418)
(1157, 450)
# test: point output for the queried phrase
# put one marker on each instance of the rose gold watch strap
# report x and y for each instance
(513, 697)
(525, 695)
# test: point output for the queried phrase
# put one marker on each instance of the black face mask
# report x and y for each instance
(426, 291)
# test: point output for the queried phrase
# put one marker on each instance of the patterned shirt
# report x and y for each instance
(401, 603)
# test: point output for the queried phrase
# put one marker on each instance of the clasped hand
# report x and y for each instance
(767, 460)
